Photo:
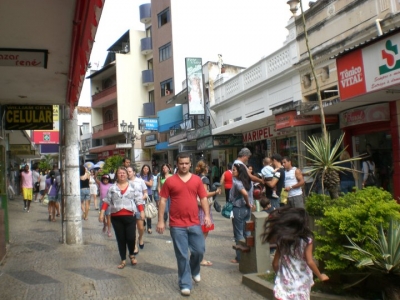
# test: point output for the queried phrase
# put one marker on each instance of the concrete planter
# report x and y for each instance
(265, 289)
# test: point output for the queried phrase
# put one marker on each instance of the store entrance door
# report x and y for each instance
(379, 145)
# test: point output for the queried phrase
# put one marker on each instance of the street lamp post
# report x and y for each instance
(293, 8)
(130, 136)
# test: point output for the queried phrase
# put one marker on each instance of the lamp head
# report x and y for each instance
(293, 6)
(123, 126)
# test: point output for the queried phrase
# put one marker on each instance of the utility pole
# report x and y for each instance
(72, 191)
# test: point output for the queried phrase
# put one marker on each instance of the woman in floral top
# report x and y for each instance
(124, 200)
(293, 261)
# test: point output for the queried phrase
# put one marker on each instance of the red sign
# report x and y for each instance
(105, 154)
(260, 134)
(351, 75)
(366, 114)
(291, 119)
(46, 137)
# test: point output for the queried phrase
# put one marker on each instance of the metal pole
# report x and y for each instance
(72, 188)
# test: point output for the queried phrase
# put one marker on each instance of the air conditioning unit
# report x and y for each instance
(230, 121)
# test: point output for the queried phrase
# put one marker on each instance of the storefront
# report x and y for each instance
(370, 75)
(368, 130)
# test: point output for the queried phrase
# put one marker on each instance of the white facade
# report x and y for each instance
(244, 102)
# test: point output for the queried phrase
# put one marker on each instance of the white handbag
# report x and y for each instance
(150, 209)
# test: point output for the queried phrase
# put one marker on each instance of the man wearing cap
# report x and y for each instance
(243, 158)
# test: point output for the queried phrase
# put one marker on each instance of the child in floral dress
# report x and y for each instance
(293, 261)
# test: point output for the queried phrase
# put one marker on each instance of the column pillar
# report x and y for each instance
(73, 211)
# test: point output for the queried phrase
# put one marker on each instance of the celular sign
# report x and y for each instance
(28, 117)
(35, 58)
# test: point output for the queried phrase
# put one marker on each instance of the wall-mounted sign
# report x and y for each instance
(194, 83)
(220, 141)
(28, 117)
(46, 137)
(369, 69)
(150, 140)
(199, 133)
(187, 148)
(292, 119)
(365, 114)
(35, 58)
(105, 154)
(262, 134)
(150, 124)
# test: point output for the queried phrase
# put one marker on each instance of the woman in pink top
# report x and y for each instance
(226, 181)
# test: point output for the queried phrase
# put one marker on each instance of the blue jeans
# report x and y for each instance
(85, 194)
(155, 195)
(240, 216)
(347, 186)
(275, 202)
(185, 238)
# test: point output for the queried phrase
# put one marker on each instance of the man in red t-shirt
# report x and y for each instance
(183, 188)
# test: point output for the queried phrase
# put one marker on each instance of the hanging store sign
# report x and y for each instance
(150, 140)
(369, 69)
(31, 58)
(150, 124)
(46, 137)
(220, 141)
(106, 154)
(366, 114)
(292, 119)
(199, 133)
(28, 117)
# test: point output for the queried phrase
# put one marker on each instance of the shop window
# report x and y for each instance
(288, 147)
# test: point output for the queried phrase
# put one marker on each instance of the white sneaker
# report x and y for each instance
(24, 208)
(197, 278)
(274, 195)
(185, 292)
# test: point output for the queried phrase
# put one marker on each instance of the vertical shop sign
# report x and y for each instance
(194, 83)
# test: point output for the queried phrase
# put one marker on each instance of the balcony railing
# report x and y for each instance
(145, 13)
(104, 93)
(146, 45)
(105, 126)
(147, 77)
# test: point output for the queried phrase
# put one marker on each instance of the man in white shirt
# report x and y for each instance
(293, 183)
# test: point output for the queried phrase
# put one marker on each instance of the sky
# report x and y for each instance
(243, 31)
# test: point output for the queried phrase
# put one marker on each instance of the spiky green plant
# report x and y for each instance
(384, 265)
(325, 163)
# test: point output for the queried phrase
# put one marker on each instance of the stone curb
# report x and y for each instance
(265, 288)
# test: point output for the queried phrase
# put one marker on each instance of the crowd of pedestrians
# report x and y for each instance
(184, 201)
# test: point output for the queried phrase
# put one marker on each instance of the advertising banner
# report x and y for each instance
(194, 83)
(369, 69)
(292, 119)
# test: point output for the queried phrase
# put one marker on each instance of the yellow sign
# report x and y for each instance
(28, 117)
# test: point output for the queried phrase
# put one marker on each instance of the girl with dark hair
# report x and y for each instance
(145, 174)
(51, 187)
(293, 261)
(104, 185)
(242, 187)
(164, 174)
(84, 177)
(202, 171)
(226, 181)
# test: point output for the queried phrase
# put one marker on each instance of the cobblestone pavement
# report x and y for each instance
(38, 266)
